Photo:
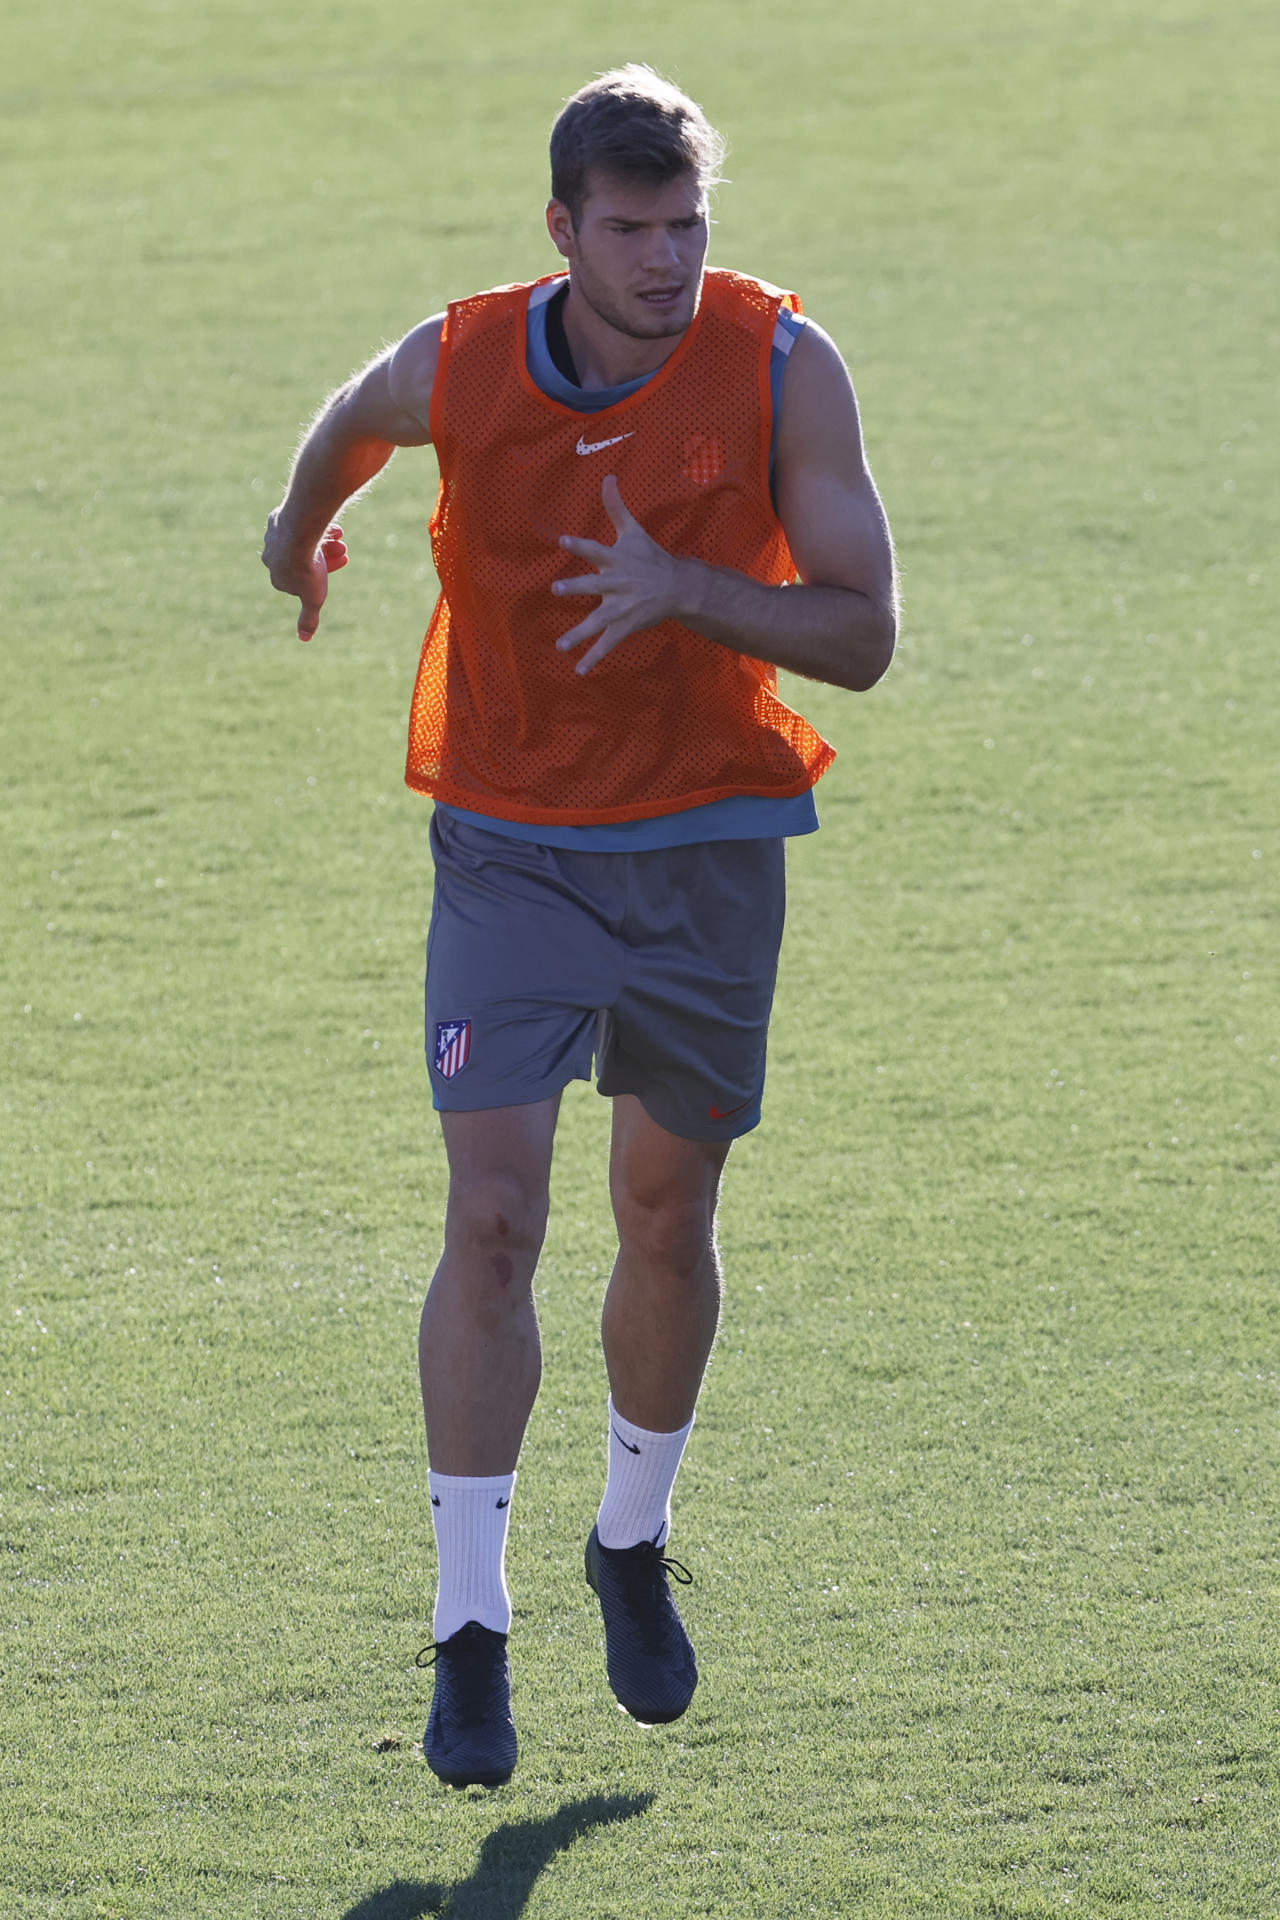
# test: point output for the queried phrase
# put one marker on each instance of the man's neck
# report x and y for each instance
(604, 357)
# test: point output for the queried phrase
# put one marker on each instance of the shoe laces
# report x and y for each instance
(473, 1663)
(644, 1576)
(675, 1568)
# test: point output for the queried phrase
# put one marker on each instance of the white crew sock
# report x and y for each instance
(642, 1471)
(470, 1518)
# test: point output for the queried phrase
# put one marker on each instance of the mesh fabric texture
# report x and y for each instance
(501, 723)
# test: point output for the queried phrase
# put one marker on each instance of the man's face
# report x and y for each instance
(637, 253)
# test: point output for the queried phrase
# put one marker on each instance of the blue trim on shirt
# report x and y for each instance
(547, 375)
(792, 323)
(743, 816)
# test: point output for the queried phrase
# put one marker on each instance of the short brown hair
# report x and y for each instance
(633, 125)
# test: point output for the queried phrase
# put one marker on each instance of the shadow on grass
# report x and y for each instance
(499, 1885)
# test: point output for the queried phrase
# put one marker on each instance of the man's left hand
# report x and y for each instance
(636, 579)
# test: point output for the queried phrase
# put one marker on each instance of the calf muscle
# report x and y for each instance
(479, 1350)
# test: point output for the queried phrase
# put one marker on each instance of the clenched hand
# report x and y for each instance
(305, 576)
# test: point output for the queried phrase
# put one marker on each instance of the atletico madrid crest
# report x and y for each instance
(453, 1047)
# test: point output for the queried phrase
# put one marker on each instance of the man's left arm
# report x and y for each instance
(840, 623)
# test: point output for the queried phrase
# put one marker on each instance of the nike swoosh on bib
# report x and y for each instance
(598, 446)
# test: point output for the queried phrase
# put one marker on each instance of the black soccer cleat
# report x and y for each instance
(470, 1739)
(650, 1660)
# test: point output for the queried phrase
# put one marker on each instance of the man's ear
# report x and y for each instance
(560, 227)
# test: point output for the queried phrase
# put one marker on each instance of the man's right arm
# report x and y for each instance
(353, 437)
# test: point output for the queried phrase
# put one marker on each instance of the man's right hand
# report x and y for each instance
(358, 429)
(307, 579)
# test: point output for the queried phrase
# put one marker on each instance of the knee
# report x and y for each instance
(498, 1220)
(670, 1232)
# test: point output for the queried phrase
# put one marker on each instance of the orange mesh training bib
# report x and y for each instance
(501, 723)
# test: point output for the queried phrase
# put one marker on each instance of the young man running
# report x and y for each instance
(613, 785)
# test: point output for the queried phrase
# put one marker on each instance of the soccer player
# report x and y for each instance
(653, 494)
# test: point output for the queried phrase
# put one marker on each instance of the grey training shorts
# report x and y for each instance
(661, 963)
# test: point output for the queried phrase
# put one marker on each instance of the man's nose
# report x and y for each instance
(662, 252)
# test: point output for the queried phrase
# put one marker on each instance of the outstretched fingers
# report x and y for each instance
(585, 630)
(611, 637)
(583, 583)
(593, 550)
(623, 582)
(615, 506)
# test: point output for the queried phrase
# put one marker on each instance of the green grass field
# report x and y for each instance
(981, 1502)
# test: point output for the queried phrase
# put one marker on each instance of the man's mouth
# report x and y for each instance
(661, 297)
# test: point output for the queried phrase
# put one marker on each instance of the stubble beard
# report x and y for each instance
(663, 326)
